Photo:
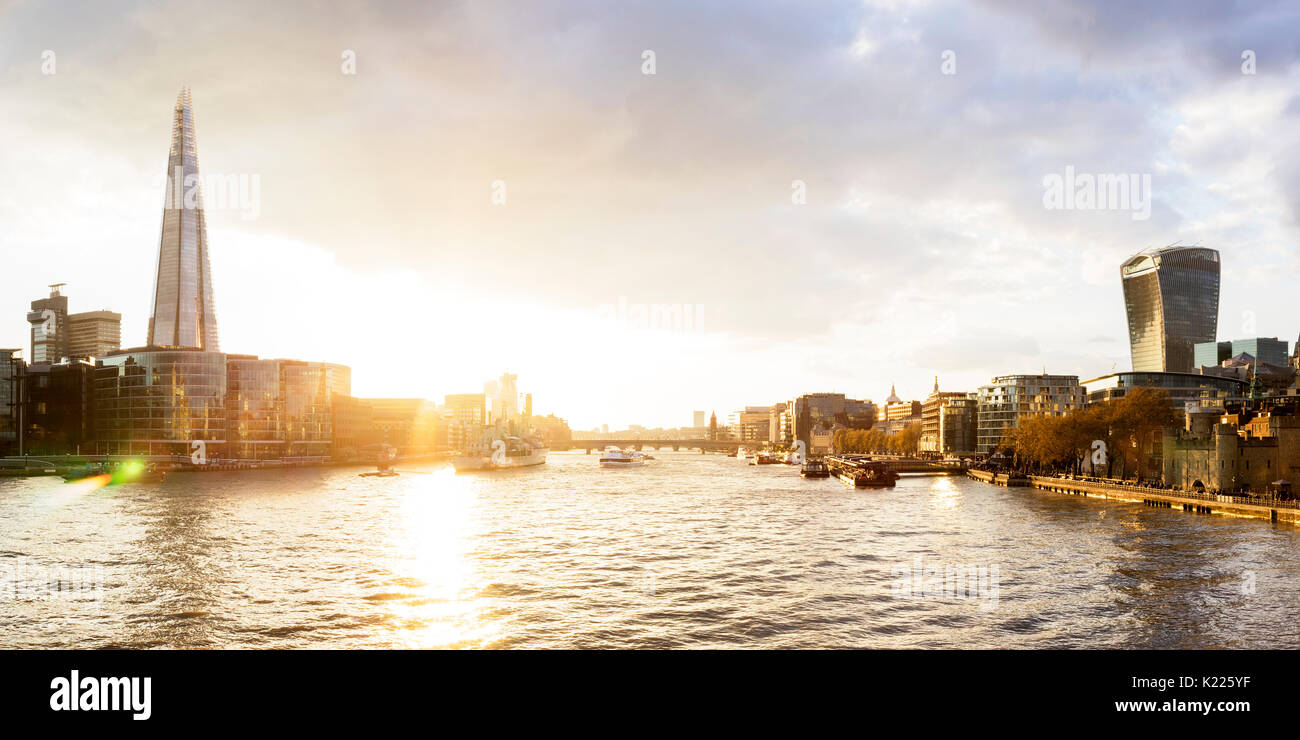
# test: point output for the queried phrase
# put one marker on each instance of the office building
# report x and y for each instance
(948, 422)
(281, 409)
(184, 307)
(1171, 297)
(1008, 399)
(13, 371)
(94, 334)
(58, 418)
(1201, 391)
(752, 425)
(1268, 350)
(49, 327)
(160, 401)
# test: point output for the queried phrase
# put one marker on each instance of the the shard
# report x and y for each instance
(184, 310)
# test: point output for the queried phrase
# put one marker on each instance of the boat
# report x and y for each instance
(130, 471)
(502, 453)
(765, 458)
(815, 469)
(868, 474)
(613, 457)
(385, 471)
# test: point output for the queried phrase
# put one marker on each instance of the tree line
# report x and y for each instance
(1054, 444)
(877, 441)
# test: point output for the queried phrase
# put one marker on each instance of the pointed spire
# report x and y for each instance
(184, 308)
(936, 384)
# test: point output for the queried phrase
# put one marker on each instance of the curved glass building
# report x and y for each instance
(157, 401)
(1171, 295)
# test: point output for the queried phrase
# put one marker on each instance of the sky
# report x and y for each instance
(779, 198)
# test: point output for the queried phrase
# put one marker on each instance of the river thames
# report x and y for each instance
(690, 551)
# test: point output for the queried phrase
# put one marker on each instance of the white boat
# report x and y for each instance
(500, 454)
(616, 458)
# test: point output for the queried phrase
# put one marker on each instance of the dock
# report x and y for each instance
(1287, 512)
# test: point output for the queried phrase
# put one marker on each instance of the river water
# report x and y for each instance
(689, 551)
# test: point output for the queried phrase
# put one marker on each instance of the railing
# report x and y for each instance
(1222, 498)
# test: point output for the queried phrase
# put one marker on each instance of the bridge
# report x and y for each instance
(703, 445)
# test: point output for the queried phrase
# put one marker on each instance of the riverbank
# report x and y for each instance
(1190, 502)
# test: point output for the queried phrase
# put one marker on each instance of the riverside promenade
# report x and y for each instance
(1287, 512)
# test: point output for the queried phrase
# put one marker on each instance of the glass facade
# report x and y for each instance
(184, 309)
(1001, 404)
(1171, 296)
(282, 408)
(158, 401)
(1183, 388)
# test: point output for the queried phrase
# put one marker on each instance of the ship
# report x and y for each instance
(501, 453)
(616, 458)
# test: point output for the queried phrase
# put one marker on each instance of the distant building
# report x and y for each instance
(408, 424)
(1003, 403)
(1269, 350)
(780, 424)
(49, 327)
(1171, 298)
(698, 419)
(949, 422)
(753, 424)
(94, 334)
(896, 414)
(468, 412)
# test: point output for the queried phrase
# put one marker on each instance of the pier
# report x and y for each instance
(1189, 501)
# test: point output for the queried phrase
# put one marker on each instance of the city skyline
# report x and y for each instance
(918, 247)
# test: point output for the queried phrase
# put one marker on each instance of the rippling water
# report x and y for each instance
(690, 551)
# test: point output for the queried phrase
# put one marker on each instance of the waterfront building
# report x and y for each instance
(13, 371)
(353, 431)
(753, 424)
(278, 408)
(823, 411)
(58, 416)
(160, 401)
(410, 425)
(1207, 391)
(1009, 398)
(184, 307)
(1171, 298)
(780, 424)
(94, 334)
(467, 412)
(49, 327)
(1243, 451)
(949, 422)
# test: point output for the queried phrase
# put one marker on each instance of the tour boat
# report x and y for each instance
(500, 454)
(616, 458)
(765, 458)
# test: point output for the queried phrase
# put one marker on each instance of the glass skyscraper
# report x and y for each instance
(184, 309)
(1171, 295)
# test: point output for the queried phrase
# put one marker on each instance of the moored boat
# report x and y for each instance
(815, 469)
